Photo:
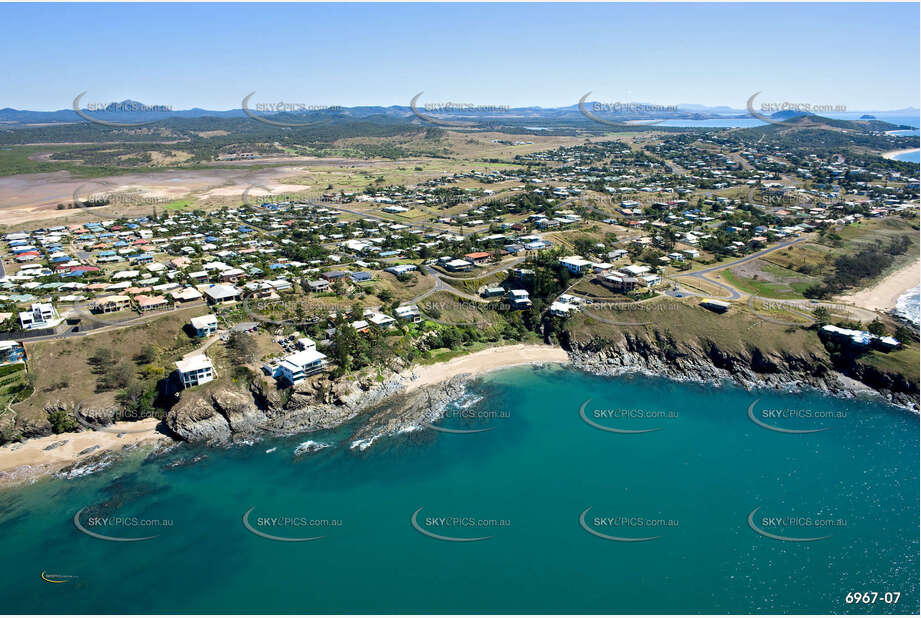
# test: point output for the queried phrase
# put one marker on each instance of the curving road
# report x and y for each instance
(734, 294)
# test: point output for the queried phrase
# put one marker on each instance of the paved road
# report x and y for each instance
(442, 281)
(734, 294)
(114, 325)
(443, 286)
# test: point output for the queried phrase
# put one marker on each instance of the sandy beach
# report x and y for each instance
(883, 295)
(893, 154)
(24, 462)
(487, 360)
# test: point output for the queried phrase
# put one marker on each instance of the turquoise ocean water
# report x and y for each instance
(524, 482)
(913, 156)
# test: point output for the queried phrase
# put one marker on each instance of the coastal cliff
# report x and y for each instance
(228, 415)
(658, 353)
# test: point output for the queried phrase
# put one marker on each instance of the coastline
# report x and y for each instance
(26, 462)
(484, 361)
(884, 295)
(891, 155)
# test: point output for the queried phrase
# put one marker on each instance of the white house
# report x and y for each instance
(519, 299)
(195, 370)
(575, 264)
(41, 315)
(560, 309)
(204, 325)
(221, 293)
(408, 313)
(635, 270)
(295, 368)
(306, 344)
(379, 319)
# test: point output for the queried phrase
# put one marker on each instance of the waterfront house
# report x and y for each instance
(296, 367)
(195, 370)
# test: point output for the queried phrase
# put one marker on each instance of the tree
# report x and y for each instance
(904, 334)
(877, 328)
(61, 421)
(385, 295)
(821, 315)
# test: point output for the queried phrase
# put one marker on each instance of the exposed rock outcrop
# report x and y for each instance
(228, 415)
(410, 411)
(198, 420)
(320, 403)
(705, 361)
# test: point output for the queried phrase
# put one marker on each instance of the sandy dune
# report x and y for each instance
(487, 360)
(883, 295)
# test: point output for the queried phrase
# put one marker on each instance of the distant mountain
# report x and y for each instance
(789, 115)
(131, 111)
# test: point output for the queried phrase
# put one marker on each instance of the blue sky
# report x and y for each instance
(862, 56)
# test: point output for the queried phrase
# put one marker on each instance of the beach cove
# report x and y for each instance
(528, 481)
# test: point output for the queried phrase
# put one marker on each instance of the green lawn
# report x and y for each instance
(178, 204)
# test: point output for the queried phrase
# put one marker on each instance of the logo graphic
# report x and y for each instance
(119, 414)
(452, 539)
(751, 415)
(427, 118)
(279, 107)
(802, 110)
(791, 539)
(611, 429)
(612, 123)
(249, 188)
(105, 123)
(272, 537)
(58, 579)
(103, 537)
(608, 537)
